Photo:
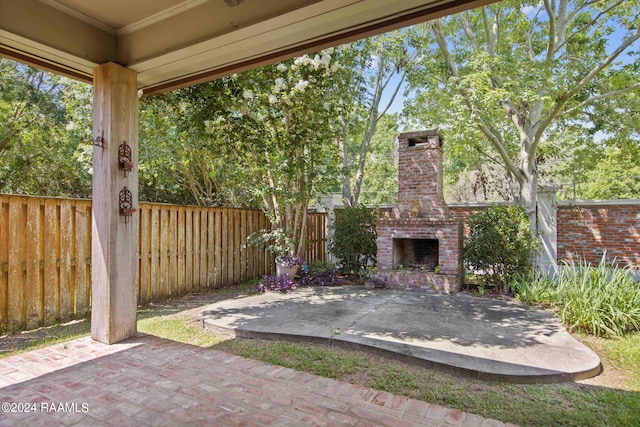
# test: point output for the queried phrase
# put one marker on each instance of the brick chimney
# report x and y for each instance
(420, 176)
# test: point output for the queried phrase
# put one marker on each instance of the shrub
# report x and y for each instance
(602, 300)
(276, 283)
(354, 238)
(500, 244)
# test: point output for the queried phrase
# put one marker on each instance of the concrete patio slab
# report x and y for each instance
(483, 338)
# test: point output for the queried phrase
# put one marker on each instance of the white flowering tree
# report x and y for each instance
(272, 127)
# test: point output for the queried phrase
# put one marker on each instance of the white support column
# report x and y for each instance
(547, 261)
(114, 241)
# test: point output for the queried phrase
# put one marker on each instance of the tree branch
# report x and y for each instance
(601, 96)
(562, 100)
(484, 127)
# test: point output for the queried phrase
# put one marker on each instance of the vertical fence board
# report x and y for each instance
(51, 285)
(242, 253)
(217, 254)
(16, 280)
(4, 261)
(189, 249)
(249, 249)
(34, 284)
(164, 252)
(195, 215)
(203, 248)
(236, 246)
(155, 253)
(261, 263)
(180, 244)
(224, 262)
(173, 250)
(83, 249)
(144, 237)
(64, 260)
(211, 224)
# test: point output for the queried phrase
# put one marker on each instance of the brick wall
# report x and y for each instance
(587, 229)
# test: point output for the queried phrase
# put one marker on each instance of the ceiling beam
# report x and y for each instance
(359, 32)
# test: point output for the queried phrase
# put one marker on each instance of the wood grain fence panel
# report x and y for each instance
(67, 288)
(83, 258)
(155, 253)
(224, 242)
(241, 253)
(4, 261)
(211, 266)
(217, 254)
(195, 215)
(34, 289)
(262, 259)
(164, 252)
(189, 248)
(51, 277)
(310, 238)
(181, 251)
(230, 247)
(45, 254)
(144, 238)
(193, 249)
(236, 246)
(202, 282)
(173, 250)
(17, 280)
(249, 249)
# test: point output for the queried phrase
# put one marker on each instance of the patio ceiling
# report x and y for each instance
(177, 43)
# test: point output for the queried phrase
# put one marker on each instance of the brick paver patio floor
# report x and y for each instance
(150, 381)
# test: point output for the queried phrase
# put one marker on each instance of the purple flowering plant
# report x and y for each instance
(276, 283)
(289, 261)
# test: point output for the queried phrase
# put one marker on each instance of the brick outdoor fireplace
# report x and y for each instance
(419, 242)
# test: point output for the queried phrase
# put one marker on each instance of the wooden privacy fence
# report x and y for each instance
(45, 254)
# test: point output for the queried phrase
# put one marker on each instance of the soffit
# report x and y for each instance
(175, 43)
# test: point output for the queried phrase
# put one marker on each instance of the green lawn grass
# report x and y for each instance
(568, 404)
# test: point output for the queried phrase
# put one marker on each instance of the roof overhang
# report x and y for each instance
(177, 43)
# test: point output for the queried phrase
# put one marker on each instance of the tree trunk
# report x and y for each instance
(527, 193)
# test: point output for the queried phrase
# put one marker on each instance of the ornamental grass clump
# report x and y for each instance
(603, 300)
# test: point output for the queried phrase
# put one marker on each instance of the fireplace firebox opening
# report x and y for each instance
(415, 254)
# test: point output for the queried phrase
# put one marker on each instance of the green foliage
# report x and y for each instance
(42, 130)
(354, 238)
(269, 132)
(500, 244)
(373, 72)
(602, 300)
(519, 99)
(380, 182)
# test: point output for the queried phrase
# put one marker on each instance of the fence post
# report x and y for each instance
(328, 204)
(547, 212)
